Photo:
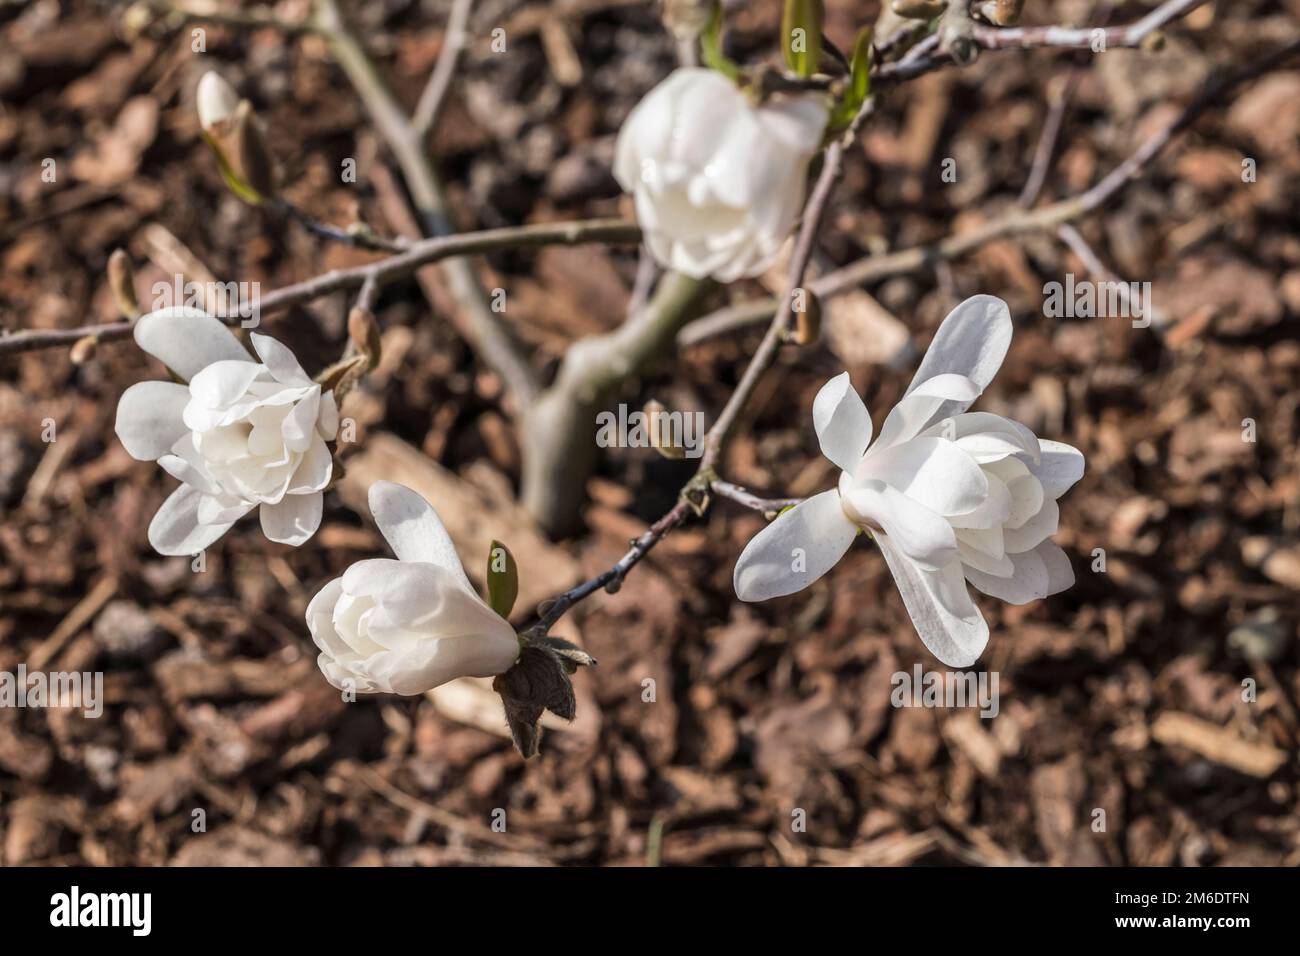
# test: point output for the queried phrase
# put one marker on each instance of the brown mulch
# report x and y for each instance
(709, 727)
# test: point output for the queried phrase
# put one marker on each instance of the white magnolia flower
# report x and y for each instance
(718, 180)
(950, 496)
(406, 626)
(242, 434)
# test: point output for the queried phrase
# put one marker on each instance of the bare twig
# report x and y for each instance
(361, 238)
(1059, 93)
(454, 40)
(931, 54)
(489, 335)
(383, 272)
(742, 496)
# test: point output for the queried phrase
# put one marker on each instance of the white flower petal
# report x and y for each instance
(992, 512)
(175, 529)
(216, 99)
(917, 410)
(949, 623)
(922, 535)
(314, 471)
(1001, 566)
(1038, 528)
(841, 421)
(972, 341)
(327, 423)
(1060, 575)
(293, 519)
(320, 620)
(149, 418)
(412, 528)
(812, 536)
(223, 383)
(299, 426)
(933, 471)
(185, 471)
(428, 664)
(1061, 467)
(1027, 582)
(279, 361)
(187, 340)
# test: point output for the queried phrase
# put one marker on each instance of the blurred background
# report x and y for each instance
(1123, 694)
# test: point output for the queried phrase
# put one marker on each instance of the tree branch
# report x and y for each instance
(486, 331)
(694, 495)
(1047, 218)
(382, 272)
(931, 55)
(454, 40)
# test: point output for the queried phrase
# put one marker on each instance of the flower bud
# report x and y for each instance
(121, 282)
(917, 9)
(216, 100)
(232, 131)
(808, 319)
(656, 415)
(1004, 13)
(83, 350)
(686, 19)
(363, 330)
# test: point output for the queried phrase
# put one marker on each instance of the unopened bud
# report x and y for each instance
(657, 417)
(121, 282)
(808, 320)
(216, 99)
(232, 131)
(136, 20)
(83, 350)
(1004, 13)
(918, 9)
(1153, 42)
(686, 19)
(363, 330)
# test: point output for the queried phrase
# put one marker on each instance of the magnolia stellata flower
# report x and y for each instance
(718, 180)
(242, 434)
(406, 626)
(950, 496)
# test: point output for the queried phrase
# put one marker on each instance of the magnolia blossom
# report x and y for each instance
(241, 434)
(950, 496)
(718, 181)
(406, 626)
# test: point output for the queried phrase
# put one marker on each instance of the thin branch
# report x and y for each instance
(1059, 94)
(454, 40)
(1047, 218)
(360, 238)
(742, 496)
(931, 53)
(382, 271)
(486, 330)
(212, 11)
(694, 497)
(832, 166)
